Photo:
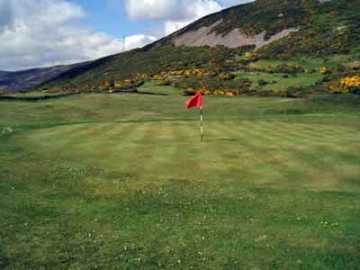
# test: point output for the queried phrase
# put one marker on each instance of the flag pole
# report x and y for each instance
(201, 124)
(196, 101)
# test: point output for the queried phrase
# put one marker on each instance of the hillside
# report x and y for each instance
(27, 79)
(244, 49)
(307, 27)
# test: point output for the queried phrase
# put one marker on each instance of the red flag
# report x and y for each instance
(195, 101)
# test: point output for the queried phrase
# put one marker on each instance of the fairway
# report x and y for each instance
(123, 182)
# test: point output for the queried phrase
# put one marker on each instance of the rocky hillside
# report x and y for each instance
(257, 24)
(292, 26)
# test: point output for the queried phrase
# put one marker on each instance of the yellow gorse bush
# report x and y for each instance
(217, 92)
(345, 85)
(195, 72)
(336, 88)
(226, 93)
(325, 70)
(351, 82)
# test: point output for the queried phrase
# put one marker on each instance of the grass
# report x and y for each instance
(32, 94)
(308, 63)
(151, 87)
(276, 82)
(122, 182)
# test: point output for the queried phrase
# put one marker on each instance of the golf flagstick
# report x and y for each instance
(197, 101)
(201, 124)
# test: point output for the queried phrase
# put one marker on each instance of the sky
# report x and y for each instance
(40, 33)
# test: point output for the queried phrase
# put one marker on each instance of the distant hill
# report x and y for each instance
(266, 29)
(27, 79)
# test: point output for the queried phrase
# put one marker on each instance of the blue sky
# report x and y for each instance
(38, 33)
(110, 17)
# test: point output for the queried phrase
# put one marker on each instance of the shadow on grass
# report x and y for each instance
(4, 261)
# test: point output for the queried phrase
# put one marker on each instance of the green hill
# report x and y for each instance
(303, 35)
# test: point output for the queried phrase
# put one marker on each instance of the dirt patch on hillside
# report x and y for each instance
(234, 39)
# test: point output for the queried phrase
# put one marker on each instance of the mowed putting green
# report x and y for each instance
(321, 157)
(123, 182)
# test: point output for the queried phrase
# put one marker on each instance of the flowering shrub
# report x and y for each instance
(348, 84)
(250, 56)
(230, 93)
(325, 70)
(198, 73)
(336, 88)
(224, 92)
(217, 92)
(351, 82)
(104, 85)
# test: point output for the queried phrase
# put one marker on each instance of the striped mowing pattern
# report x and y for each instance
(317, 157)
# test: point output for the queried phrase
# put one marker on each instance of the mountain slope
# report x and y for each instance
(27, 79)
(271, 29)
(323, 27)
(248, 24)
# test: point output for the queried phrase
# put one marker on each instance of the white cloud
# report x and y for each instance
(45, 32)
(150, 9)
(176, 14)
(194, 11)
(169, 9)
(134, 41)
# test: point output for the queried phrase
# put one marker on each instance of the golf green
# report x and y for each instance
(123, 182)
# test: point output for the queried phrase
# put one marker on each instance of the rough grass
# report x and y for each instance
(32, 94)
(152, 88)
(308, 63)
(122, 182)
(276, 82)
